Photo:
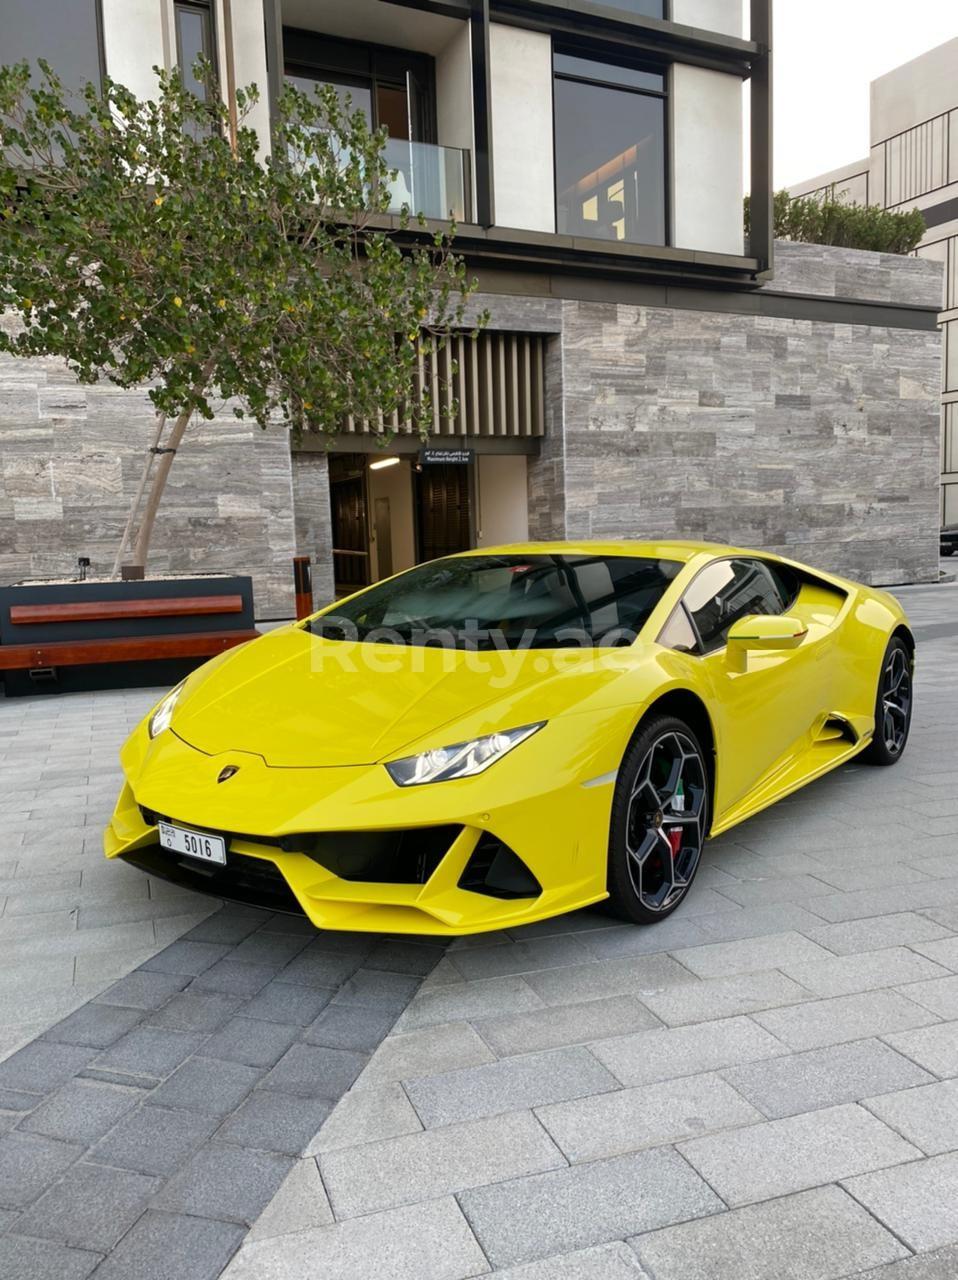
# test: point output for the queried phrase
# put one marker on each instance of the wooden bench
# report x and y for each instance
(44, 655)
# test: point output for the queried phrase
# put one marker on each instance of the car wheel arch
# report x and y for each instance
(688, 707)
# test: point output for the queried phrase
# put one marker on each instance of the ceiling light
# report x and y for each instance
(383, 462)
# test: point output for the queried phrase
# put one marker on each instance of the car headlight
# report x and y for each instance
(461, 760)
(161, 717)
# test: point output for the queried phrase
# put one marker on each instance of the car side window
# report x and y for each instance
(726, 591)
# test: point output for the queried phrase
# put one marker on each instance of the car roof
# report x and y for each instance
(667, 549)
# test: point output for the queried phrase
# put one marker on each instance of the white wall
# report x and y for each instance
(140, 34)
(915, 92)
(394, 483)
(707, 178)
(454, 97)
(503, 499)
(724, 16)
(522, 157)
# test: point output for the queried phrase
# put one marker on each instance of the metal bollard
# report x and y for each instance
(303, 580)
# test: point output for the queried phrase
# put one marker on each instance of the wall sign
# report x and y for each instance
(446, 457)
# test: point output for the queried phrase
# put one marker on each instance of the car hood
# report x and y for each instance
(299, 700)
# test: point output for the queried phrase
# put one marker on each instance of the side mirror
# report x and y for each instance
(766, 631)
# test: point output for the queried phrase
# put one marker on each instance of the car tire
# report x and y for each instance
(894, 701)
(660, 819)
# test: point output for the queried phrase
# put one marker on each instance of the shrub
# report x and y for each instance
(813, 220)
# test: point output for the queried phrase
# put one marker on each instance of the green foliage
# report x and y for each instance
(141, 246)
(814, 220)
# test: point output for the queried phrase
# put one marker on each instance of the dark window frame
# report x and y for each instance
(366, 66)
(591, 52)
(207, 10)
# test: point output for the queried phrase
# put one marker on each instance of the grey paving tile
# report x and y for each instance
(935, 1048)
(793, 1154)
(151, 1052)
(195, 1011)
(425, 1240)
(153, 1140)
(917, 1201)
(144, 989)
(94, 1025)
(29, 1164)
(414, 958)
(208, 1085)
(509, 1085)
(780, 888)
(940, 1265)
(18, 1100)
(268, 948)
(42, 1066)
(527, 956)
(432, 1048)
(227, 926)
(940, 995)
(368, 1114)
(300, 1204)
(867, 971)
(312, 1071)
(377, 989)
(873, 902)
(91, 1207)
(605, 1262)
(824, 1077)
(823, 1022)
(751, 955)
(277, 1122)
(926, 1116)
(944, 951)
(474, 1000)
(712, 998)
(186, 958)
(814, 1235)
(317, 966)
(23, 1259)
(652, 1115)
(900, 929)
(234, 979)
(251, 1041)
(610, 942)
(350, 1027)
(591, 1204)
(757, 922)
(225, 1182)
(289, 1003)
(190, 1249)
(423, 1166)
(626, 975)
(565, 1024)
(81, 1111)
(669, 1053)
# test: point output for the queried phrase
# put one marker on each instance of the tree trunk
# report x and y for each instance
(138, 496)
(166, 456)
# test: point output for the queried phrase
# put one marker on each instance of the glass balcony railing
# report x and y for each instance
(430, 180)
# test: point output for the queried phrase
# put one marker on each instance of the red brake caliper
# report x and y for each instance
(675, 840)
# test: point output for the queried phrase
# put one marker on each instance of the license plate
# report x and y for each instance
(195, 844)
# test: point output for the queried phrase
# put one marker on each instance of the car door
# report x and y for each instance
(763, 714)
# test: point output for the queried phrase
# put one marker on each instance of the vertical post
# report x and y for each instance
(761, 200)
(303, 581)
(273, 21)
(230, 73)
(481, 112)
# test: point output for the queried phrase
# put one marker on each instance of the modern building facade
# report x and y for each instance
(913, 164)
(644, 371)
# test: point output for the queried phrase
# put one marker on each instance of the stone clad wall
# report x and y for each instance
(71, 458)
(816, 440)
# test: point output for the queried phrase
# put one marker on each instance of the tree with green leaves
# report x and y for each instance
(151, 242)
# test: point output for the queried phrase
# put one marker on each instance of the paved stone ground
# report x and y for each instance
(763, 1088)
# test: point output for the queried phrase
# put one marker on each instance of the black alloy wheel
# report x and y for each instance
(660, 818)
(893, 705)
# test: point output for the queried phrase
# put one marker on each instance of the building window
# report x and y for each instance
(610, 150)
(194, 39)
(65, 35)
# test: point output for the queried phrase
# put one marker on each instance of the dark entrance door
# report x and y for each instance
(347, 498)
(442, 509)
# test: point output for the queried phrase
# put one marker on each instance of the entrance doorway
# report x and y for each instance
(444, 510)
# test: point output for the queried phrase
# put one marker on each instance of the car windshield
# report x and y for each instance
(507, 602)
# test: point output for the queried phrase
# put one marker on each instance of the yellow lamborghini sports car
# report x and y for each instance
(503, 735)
